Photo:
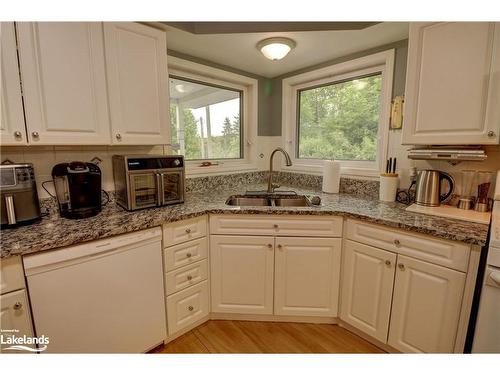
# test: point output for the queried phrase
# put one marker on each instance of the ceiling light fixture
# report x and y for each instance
(276, 48)
(181, 88)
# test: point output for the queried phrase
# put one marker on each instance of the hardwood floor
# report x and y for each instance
(232, 336)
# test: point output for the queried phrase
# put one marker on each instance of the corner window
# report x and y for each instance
(339, 120)
(340, 112)
(205, 120)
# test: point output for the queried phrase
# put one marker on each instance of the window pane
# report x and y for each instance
(340, 120)
(205, 120)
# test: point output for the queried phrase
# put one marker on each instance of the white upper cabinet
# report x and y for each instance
(136, 63)
(64, 83)
(307, 276)
(453, 84)
(426, 307)
(12, 129)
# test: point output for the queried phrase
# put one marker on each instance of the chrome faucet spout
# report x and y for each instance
(288, 161)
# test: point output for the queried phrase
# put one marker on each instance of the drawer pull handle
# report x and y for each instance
(396, 242)
(189, 255)
(276, 226)
(188, 230)
(401, 266)
(190, 308)
(190, 277)
(269, 245)
(18, 306)
(280, 247)
(387, 262)
(491, 134)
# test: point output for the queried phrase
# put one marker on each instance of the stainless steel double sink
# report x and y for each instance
(270, 201)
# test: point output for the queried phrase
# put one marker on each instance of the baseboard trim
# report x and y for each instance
(274, 318)
(371, 340)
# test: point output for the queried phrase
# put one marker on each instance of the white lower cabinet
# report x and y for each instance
(242, 270)
(307, 276)
(187, 307)
(15, 315)
(425, 307)
(367, 283)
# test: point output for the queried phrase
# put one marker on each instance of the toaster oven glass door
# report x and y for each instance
(143, 190)
(173, 187)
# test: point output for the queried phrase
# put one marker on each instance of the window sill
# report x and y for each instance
(193, 169)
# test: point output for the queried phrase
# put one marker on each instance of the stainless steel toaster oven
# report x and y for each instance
(143, 181)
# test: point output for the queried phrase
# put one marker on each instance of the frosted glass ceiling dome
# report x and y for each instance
(276, 48)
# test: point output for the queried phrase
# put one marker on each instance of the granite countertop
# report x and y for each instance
(54, 232)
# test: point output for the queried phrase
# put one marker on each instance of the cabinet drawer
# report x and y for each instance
(265, 225)
(15, 315)
(11, 274)
(185, 253)
(184, 277)
(185, 230)
(442, 252)
(187, 307)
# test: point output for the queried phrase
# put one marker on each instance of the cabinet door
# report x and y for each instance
(453, 83)
(426, 307)
(242, 274)
(12, 128)
(64, 84)
(187, 307)
(367, 283)
(136, 63)
(307, 276)
(15, 315)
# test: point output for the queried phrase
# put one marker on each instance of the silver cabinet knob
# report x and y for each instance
(396, 242)
(189, 277)
(18, 134)
(269, 245)
(189, 255)
(387, 262)
(190, 308)
(401, 266)
(188, 230)
(35, 135)
(491, 134)
(18, 306)
(118, 136)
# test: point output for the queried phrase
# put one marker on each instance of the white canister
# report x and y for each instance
(389, 184)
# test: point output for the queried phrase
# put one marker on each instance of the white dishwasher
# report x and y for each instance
(105, 296)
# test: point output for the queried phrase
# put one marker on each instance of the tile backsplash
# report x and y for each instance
(45, 157)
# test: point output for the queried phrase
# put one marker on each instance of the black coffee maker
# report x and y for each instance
(78, 189)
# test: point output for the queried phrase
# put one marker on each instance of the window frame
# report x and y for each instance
(383, 63)
(185, 69)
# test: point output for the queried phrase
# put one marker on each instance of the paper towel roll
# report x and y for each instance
(331, 176)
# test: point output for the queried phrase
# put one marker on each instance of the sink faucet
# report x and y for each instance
(270, 185)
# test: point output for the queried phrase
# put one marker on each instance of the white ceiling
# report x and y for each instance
(313, 47)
